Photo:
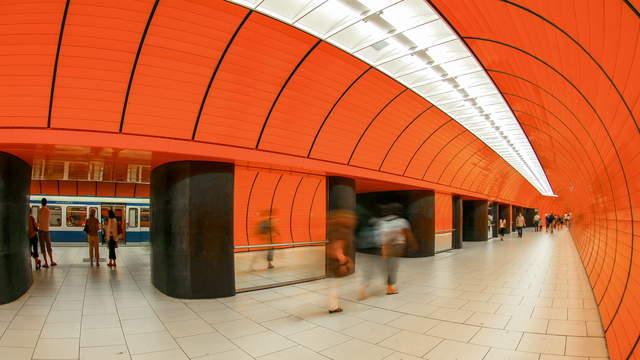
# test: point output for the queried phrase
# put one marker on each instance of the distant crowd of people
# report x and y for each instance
(551, 221)
(39, 235)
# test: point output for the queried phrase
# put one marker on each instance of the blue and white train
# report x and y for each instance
(68, 214)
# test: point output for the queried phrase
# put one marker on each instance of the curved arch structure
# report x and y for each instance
(189, 80)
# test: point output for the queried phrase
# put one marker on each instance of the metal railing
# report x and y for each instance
(281, 244)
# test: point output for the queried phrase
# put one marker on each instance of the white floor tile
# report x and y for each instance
(411, 343)
(57, 349)
(263, 343)
(544, 344)
(453, 350)
(497, 338)
(319, 338)
(357, 350)
(205, 344)
(453, 331)
(370, 332)
(150, 342)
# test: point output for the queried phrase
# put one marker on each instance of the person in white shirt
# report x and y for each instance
(395, 234)
(536, 222)
(503, 228)
(111, 233)
(44, 219)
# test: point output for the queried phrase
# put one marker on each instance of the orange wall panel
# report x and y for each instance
(297, 202)
(264, 53)
(444, 211)
(181, 51)
(98, 49)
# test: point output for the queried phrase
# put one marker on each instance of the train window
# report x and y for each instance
(34, 212)
(144, 217)
(132, 221)
(56, 216)
(76, 216)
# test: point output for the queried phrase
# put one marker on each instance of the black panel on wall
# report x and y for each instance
(505, 213)
(474, 220)
(418, 208)
(192, 229)
(15, 262)
(457, 221)
(493, 211)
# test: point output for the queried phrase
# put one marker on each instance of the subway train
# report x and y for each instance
(68, 214)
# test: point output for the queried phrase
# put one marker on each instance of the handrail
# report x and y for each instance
(445, 231)
(282, 244)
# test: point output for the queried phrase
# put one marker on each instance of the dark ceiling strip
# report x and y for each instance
(362, 134)
(462, 148)
(442, 148)
(275, 101)
(433, 6)
(635, 11)
(424, 142)
(313, 143)
(55, 64)
(400, 135)
(624, 101)
(293, 203)
(215, 72)
(315, 192)
(247, 210)
(463, 165)
(273, 197)
(633, 349)
(606, 130)
(135, 63)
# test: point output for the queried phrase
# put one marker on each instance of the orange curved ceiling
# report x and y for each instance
(213, 79)
(210, 79)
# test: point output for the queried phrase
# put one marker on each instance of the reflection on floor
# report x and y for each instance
(292, 264)
(518, 299)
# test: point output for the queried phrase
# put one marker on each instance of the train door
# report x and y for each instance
(133, 223)
(145, 222)
(119, 210)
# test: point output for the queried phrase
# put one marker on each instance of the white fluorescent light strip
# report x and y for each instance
(411, 43)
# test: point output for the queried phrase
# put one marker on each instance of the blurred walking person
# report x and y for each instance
(33, 240)
(502, 228)
(111, 232)
(520, 223)
(266, 230)
(91, 227)
(536, 222)
(396, 234)
(44, 219)
(341, 226)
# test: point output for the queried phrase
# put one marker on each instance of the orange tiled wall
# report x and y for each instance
(298, 202)
(444, 211)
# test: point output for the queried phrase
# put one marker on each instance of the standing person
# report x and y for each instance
(33, 240)
(341, 225)
(502, 228)
(567, 219)
(552, 222)
(91, 227)
(111, 232)
(44, 219)
(520, 223)
(396, 234)
(536, 222)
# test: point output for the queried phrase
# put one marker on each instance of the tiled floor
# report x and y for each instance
(518, 299)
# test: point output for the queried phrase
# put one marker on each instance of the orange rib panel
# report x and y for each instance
(340, 133)
(181, 51)
(29, 34)
(296, 118)
(261, 58)
(98, 48)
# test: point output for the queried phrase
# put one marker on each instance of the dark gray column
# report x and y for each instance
(494, 223)
(15, 261)
(457, 221)
(474, 220)
(505, 212)
(341, 195)
(192, 229)
(421, 215)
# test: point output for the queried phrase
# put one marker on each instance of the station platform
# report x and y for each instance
(523, 299)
